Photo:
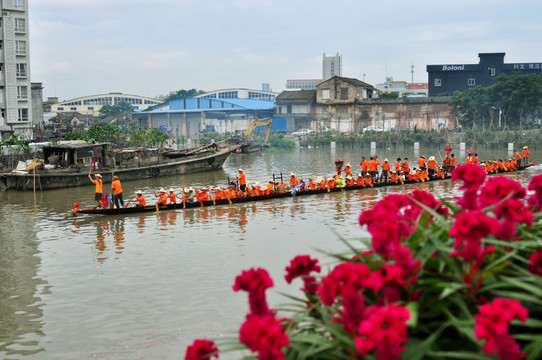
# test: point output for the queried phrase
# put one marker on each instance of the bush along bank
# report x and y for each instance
(437, 279)
(474, 139)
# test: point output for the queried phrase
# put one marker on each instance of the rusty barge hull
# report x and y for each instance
(62, 178)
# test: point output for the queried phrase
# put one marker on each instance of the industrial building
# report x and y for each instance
(449, 78)
(91, 105)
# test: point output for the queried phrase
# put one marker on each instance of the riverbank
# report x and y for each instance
(472, 139)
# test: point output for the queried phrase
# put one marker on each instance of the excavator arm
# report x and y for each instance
(255, 123)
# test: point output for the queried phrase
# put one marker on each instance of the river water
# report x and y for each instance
(145, 286)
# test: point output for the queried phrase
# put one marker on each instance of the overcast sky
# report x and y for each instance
(152, 47)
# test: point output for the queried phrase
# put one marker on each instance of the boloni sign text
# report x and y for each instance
(453, 67)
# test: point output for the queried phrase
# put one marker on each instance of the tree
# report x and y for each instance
(183, 94)
(519, 96)
(472, 106)
(112, 110)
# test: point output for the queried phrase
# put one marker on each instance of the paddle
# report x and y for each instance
(129, 201)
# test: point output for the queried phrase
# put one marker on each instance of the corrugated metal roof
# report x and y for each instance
(203, 104)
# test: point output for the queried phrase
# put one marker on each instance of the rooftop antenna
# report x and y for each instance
(412, 73)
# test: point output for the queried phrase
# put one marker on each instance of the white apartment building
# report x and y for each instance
(15, 87)
(331, 66)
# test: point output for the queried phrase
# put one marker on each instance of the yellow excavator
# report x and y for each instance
(255, 123)
(247, 146)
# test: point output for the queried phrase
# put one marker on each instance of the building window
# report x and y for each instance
(325, 94)
(60, 108)
(20, 47)
(22, 92)
(73, 109)
(18, 4)
(438, 82)
(20, 25)
(344, 94)
(90, 108)
(21, 70)
(471, 82)
(492, 71)
(1, 67)
(23, 115)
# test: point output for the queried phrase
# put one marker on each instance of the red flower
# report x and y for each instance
(201, 350)
(255, 281)
(345, 276)
(472, 175)
(499, 187)
(403, 258)
(512, 211)
(353, 308)
(265, 336)
(535, 261)
(393, 281)
(386, 224)
(535, 200)
(384, 330)
(426, 199)
(303, 265)
(468, 230)
(492, 325)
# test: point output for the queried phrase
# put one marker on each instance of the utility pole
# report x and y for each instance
(412, 73)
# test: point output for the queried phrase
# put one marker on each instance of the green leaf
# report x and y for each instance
(413, 308)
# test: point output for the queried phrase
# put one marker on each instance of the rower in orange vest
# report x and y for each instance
(140, 199)
(359, 180)
(368, 180)
(162, 197)
(347, 170)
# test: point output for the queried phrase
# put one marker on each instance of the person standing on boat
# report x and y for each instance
(452, 163)
(518, 157)
(99, 189)
(525, 153)
(385, 170)
(364, 166)
(372, 168)
(116, 188)
(242, 180)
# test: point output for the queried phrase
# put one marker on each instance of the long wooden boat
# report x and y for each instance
(69, 164)
(187, 205)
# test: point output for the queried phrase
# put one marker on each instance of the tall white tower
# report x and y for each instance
(332, 66)
(15, 87)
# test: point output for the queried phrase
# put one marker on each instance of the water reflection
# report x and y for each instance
(21, 326)
(109, 238)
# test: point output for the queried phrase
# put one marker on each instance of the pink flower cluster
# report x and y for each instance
(394, 218)
(535, 200)
(261, 331)
(366, 294)
(264, 334)
(201, 350)
(492, 325)
(302, 266)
